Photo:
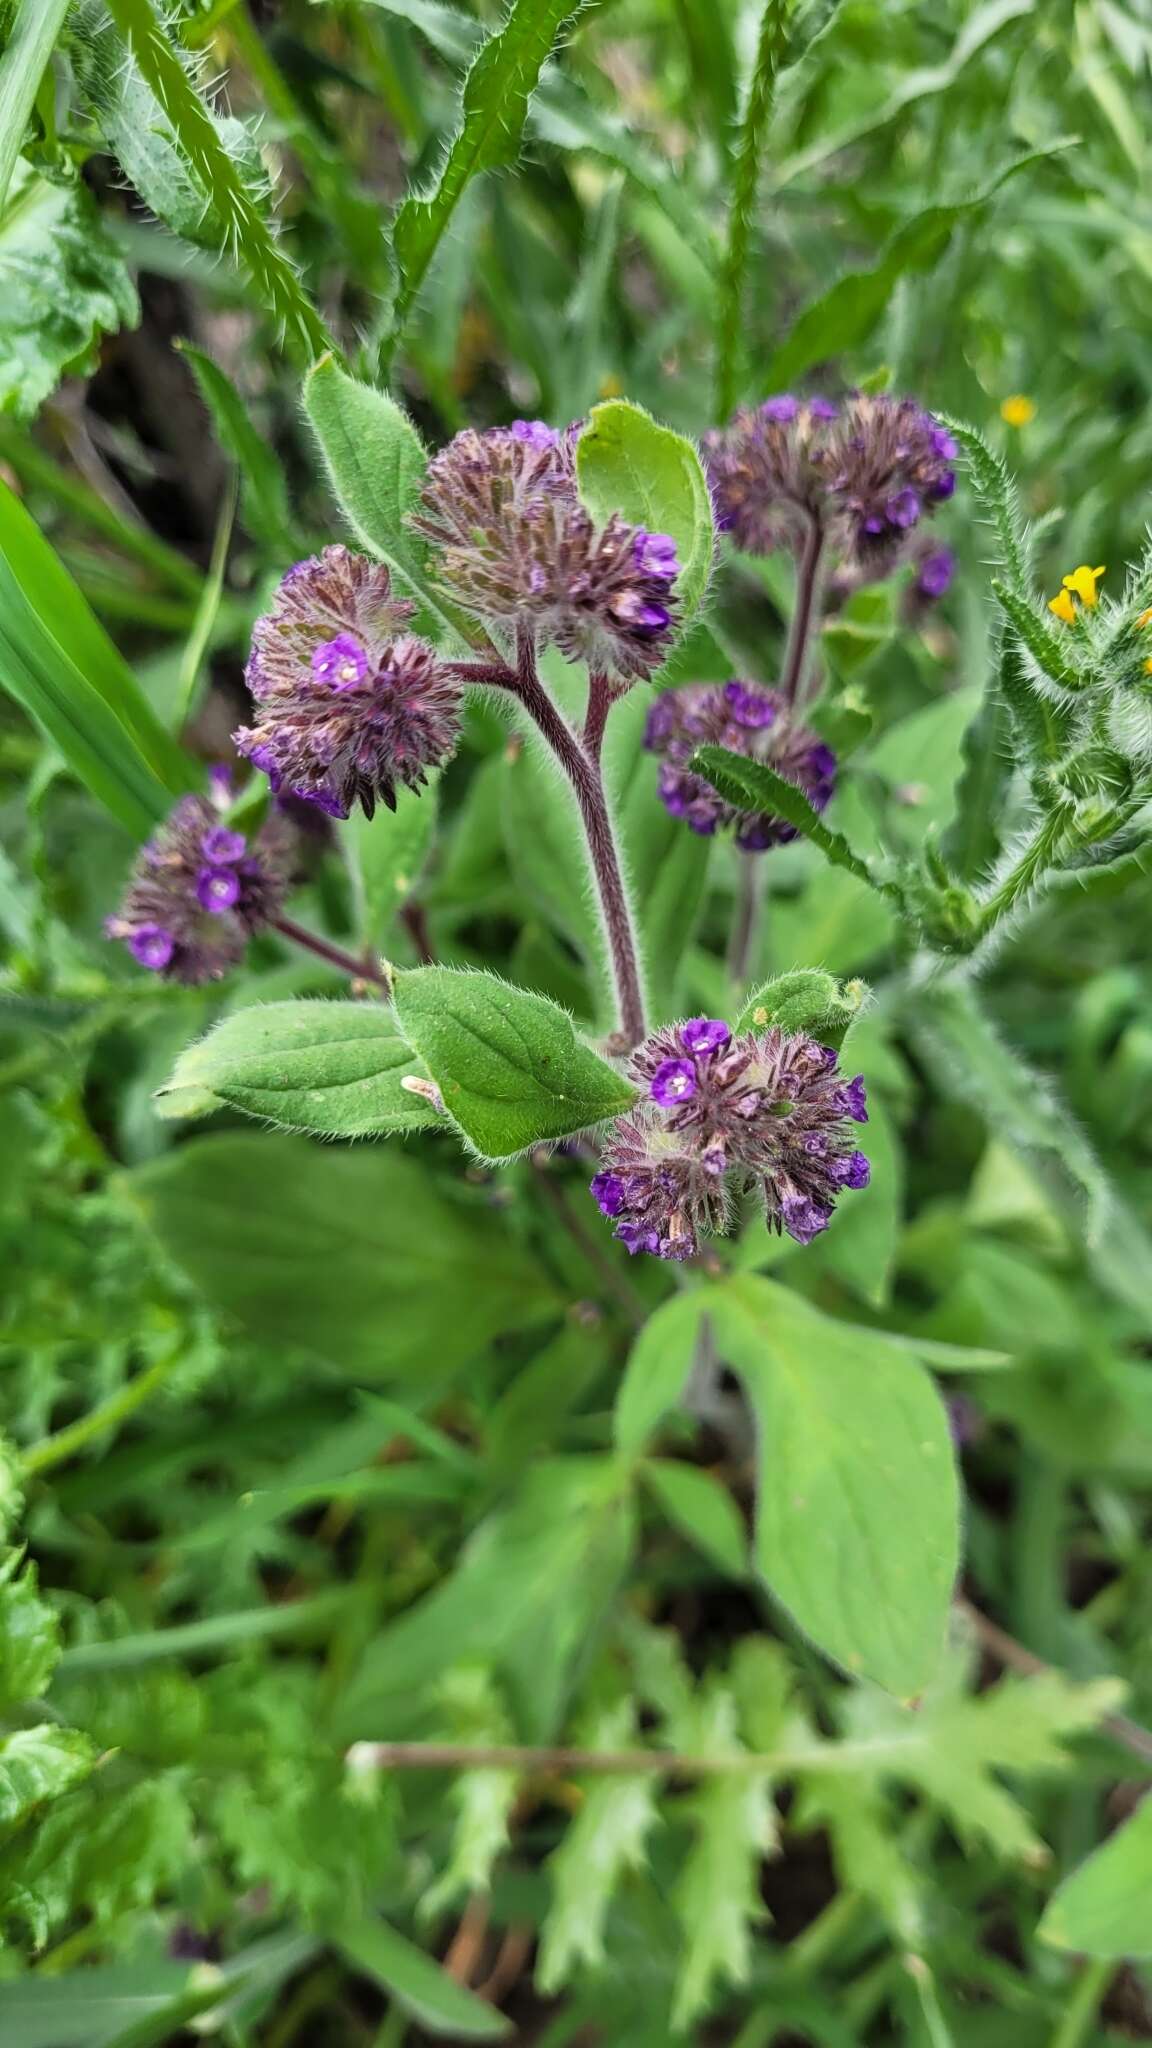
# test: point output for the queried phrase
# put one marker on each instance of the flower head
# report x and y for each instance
(766, 1113)
(1078, 584)
(516, 548)
(348, 704)
(867, 471)
(1018, 411)
(747, 720)
(199, 891)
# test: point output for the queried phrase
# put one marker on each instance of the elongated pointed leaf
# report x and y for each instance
(753, 786)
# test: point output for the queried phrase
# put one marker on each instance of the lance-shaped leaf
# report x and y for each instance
(753, 786)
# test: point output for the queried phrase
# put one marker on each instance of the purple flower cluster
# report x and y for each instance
(348, 704)
(199, 891)
(865, 471)
(747, 720)
(516, 549)
(768, 1112)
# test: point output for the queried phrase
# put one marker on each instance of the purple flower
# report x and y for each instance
(535, 433)
(705, 1034)
(904, 509)
(673, 1081)
(221, 847)
(348, 705)
(937, 568)
(853, 1097)
(748, 720)
(189, 921)
(781, 410)
(217, 889)
(764, 1114)
(514, 546)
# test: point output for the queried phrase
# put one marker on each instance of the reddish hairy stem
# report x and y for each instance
(356, 970)
(809, 581)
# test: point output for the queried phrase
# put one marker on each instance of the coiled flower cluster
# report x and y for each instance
(348, 703)
(747, 720)
(199, 891)
(864, 471)
(515, 548)
(768, 1112)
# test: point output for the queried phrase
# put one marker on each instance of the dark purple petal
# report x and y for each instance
(704, 1034)
(152, 946)
(217, 889)
(903, 510)
(608, 1193)
(674, 1081)
(341, 663)
(750, 706)
(656, 555)
(803, 1219)
(851, 1100)
(782, 409)
(221, 847)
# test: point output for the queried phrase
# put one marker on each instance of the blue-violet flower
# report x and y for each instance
(747, 720)
(198, 892)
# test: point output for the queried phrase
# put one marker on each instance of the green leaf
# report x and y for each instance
(29, 1638)
(354, 1256)
(40, 1763)
(626, 462)
(386, 854)
(263, 492)
(332, 1068)
(508, 1064)
(718, 1893)
(753, 786)
(856, 1527)
(375, 461)
(1105, 1907)
(494, 107)
(861, 1247)
(63, 286)
(60, 665)
(658, 1366)
(700, 1506)
(417, 1983)
(807, 999)
(849, 312)
(25, 58)
(606, 1840)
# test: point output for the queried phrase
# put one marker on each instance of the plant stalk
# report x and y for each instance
(745, 930)
(805, 616)
(745, 182)
(356, 970)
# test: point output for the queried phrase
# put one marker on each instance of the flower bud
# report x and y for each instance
(747, 720)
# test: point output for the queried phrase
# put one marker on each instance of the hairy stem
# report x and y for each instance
(57, 1449)
(746, 920)
(745, 180)
(805, 617)
(596, 715)
(1040, 854)
(356, 970)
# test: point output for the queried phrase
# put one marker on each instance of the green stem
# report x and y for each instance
(1076, 2026)
(745, 182)
(244, 227)
(1040, 854)
(25, 60)
(57, 1449)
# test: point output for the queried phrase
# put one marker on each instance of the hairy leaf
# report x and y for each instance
(626, 462)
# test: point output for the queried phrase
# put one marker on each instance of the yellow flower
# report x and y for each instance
(1145, 619)
(1018, 411)
(1148, 666)
(1083, 583)
(1063, 607)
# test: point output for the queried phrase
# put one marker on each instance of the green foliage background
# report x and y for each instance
(315, 1447)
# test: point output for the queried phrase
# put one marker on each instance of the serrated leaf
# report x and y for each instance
(718, 1894)
(752, 786)
(63, 286)
(508, 1064)
(40, 1763)
(607, 1839)
(332, 1068)
(1105, 1907)
(494, 107)
(627, 462)
(806, 999)
(29, 1638)
(857, 1520)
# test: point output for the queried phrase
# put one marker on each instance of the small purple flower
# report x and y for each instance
(348, 705)
(674, 1081)
(535, 433)
(781, 410)
(152, 946)
(937, 568)
(748, 720)
(221, 847)
(341, 662)
(705, 1034)
(823, 409)
(514, 546)
(853, 1096)
(723, 1118)
(903, 510)
(189, 921)
(217, 889)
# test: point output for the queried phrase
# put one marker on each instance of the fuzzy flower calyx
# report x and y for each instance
(766, 1113)
(348, 704)
(515, 548)
(747, 720)
(865, 471)
(198, 892)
